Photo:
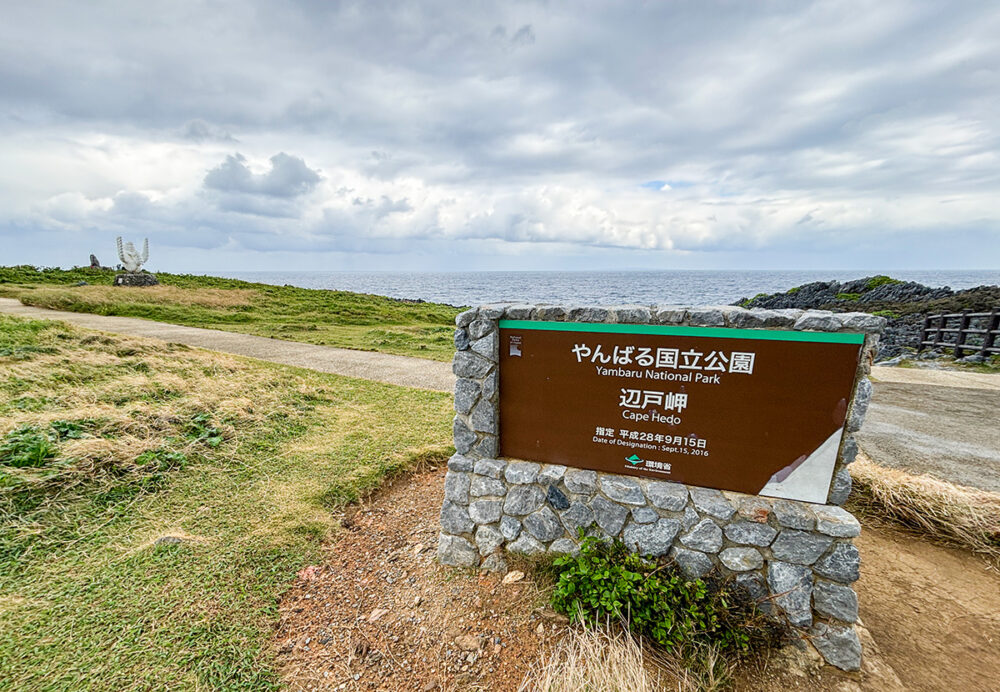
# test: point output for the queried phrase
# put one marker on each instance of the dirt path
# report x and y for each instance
(381, 614)
(381, 367)
(934, 422)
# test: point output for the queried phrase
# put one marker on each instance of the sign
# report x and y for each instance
(756, 411)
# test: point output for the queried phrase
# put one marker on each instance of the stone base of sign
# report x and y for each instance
(136, 279)
(797, 557)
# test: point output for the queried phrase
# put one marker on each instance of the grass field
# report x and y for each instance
(108, 444)
(331, 318)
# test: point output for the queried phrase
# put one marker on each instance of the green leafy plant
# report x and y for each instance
(880, 280)
(161, 460)
(26, 447)
(201, 429)
(607, 581)
(69, 429)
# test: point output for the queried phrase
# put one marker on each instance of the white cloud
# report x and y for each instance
(385, 128)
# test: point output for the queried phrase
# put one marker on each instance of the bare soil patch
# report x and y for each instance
(382, 614)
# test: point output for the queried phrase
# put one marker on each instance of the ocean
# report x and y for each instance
(590, 287)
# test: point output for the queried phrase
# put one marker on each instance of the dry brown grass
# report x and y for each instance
(96, 296)
(952, 514)
(600, 659)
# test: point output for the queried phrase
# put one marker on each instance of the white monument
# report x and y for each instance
(132, 261)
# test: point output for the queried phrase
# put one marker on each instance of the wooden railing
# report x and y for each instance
(965, 332)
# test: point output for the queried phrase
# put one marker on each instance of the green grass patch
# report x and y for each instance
(880, 280)
(853, 297)
(239, 464)
(330, 318)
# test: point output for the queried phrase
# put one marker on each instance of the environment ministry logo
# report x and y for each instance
(634, 460)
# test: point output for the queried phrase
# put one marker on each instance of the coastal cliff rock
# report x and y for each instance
(903, 303)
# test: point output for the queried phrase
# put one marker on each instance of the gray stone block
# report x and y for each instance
(522, 472)
(588, 313)
(490, 386)
(484, 417)
(849, 450)
(692, 564)
(644, 515)
(741, 559)
(800, 547)
(690, 517)
(552, 313)
(457, 462)
(526, 545)
(466, 395)
(750, 533)
(487, 447)
(836, 521)
(610, 516)
(483, 486)
(793, 515)
(839, 646)
(580, 481)
(456, 551)
(792, 588)
(669, 496)
(840, 490)
(491, 468)
(495, 564)
(480, 328)
(492, 311)
(622, 489)
(510, 527)
(862, 396)
(487, 347)
(670, 314)
(551, 473)
(488, 539)
(651, 539)
(456, 487)
(461, 340)
(523, 499)
(455, 518)
(464, 319)
(753, 583)
(464, 438)
(705, 536)
(543, 525)
(578, 516)
(835, 600)
(755, 509)
(863, 322)
(470, 365)
(564, 546)
(819, 321)
(712, 502)
(519, 312)
(632, 314)
(485, 511)
(557, 498)
(842, 564)
(706, 317)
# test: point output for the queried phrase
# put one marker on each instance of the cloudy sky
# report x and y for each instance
(438, 135)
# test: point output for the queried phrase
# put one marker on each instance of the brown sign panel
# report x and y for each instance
(755, 411)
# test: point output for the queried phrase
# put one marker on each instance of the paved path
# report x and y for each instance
(381, 367)
(939, 422)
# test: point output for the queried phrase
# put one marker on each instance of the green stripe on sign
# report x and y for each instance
(719, 332)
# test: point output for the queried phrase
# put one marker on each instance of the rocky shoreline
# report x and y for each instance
(904, 304)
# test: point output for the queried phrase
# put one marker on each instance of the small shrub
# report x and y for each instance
(886, 313)
(26, 447)
(880, 280)
(793, 291)
(607, 581)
